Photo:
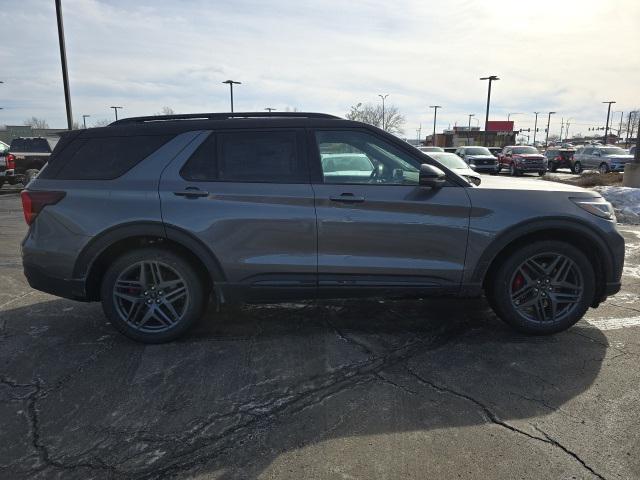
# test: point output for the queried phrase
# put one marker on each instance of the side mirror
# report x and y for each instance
(431, 176)
(475, 180)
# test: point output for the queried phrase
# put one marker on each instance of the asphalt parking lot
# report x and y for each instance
(347, 390)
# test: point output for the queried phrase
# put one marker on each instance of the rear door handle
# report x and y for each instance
(347, 198)
(191, 192)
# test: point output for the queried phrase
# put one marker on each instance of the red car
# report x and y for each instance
(521, 159)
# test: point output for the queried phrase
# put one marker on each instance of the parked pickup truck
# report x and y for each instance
(521, 159)
(25, 158)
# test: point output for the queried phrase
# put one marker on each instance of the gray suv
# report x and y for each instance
(604, 158)
(158, 216)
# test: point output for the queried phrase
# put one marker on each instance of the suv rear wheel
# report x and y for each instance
(543, 288)
(604, 168)
(576, 167)
(152, 295)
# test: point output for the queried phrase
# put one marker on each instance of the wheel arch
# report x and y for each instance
(98, 254)
(568, 231)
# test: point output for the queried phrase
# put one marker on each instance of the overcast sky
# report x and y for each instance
(324, 56)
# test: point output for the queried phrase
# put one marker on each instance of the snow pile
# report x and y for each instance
(625, 201)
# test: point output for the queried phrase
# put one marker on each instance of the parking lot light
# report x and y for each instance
(435, 116)
(491, 78)
(606, 128)
(84, 120)
(115, 110)
(469, 127)
(546, 140)
(231, 83)
(383, 97)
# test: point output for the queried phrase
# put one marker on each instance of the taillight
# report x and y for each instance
(558, 158)
(33, 202)
(11, 161)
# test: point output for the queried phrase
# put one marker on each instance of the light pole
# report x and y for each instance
(469, 127)
(419, 132)
(435, 116)
(566, 130)
(383, 97)
(491, 78)
(115, 110)
(535, 128)
(631, 114)
(269, 109)
(63, 61)
(606, 128)
(84, 120)
(546, 140)
(231, 83)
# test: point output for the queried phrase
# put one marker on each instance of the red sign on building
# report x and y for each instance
(499, 126)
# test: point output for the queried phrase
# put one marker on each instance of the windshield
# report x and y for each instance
(613, 151)
(449, 160)
(31, 145)
(525, 150)
(354, 162)
(477, 151)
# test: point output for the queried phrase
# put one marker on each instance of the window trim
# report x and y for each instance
(301, 143)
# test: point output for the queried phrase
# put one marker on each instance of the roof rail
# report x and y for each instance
(219, 116)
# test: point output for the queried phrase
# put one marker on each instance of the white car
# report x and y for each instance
(459, 166)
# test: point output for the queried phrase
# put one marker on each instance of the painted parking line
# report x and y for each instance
(614, 323)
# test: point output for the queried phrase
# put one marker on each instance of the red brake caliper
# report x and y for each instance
(518, 281)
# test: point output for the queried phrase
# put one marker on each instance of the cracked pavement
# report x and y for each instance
(344, 389)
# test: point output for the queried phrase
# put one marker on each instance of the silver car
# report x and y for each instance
(157, 216)
(456, 164)
(604, 158)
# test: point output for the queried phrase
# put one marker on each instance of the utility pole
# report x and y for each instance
(606, 128)
(84, 120)
(469, 127)
(491, 78)
(546, 141)
(231, 83)
(63, 61)
(269, 109)
(620, 128)
(383, 97)
(115, 110)
(631, 114)
(561, 128)
(535, 129)
(566, 130)
(435, 116)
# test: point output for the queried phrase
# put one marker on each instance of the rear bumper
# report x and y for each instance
(38, 279)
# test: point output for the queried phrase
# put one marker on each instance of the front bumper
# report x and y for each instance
(486, 168)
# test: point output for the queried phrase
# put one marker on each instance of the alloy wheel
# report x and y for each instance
(151, 296)
(546, 287)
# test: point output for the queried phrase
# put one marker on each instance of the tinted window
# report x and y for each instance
(202, 165)
(613, 151)
(106, 158)
(477, 151)
(259, 157)
(30, 145)
(525, 150)
(352, 156)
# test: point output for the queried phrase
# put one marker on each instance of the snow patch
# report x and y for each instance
(625, 201)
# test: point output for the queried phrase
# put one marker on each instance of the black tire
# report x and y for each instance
(576, 168)
(500, 290)
(553, 166)
(513, 171)
(498, 169)
(541, 173)
(1, 183)
(188, 307)
(603, 168)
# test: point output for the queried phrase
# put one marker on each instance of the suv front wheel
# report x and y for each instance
(543, 288)
(152, 295)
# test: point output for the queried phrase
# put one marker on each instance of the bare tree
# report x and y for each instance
(166, 111)
(37, 123)
(372, 114)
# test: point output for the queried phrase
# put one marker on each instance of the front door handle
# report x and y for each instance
(191, 192)
(347, 198)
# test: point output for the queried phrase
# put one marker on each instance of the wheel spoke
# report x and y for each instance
(134, 311)
(148, 315)
(163, 317)
(537, 270)
(176, 294)
(156, 274)
(127, 297)
(561, 297)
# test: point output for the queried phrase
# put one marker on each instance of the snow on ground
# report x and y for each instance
(625, 201)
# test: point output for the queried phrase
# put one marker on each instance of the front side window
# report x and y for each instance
(352, 156)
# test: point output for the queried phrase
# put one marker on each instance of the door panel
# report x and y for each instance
(263, 234)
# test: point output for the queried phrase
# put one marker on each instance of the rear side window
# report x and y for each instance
(105, 158)
(30, 145)
(270, 157)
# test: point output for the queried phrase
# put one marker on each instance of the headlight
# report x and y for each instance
(472, 166)
(597, 206)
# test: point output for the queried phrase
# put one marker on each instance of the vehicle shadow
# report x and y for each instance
(258, 382)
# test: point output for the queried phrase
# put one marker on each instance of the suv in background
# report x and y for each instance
(155, 216)
(25, 158)
(478, 158)
(522, 159)
(604, 158)
(561, 158)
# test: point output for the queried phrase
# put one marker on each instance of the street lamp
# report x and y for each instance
(63, 61)
(606, 128)
(566, 130)
(115, 110)
(469, 127)
(491, 78)
(546, 140)
(513, 113)
(84, 120)
(435, 116)
(269, 109)
(231, 83)
(535, 129)
(383, 98)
